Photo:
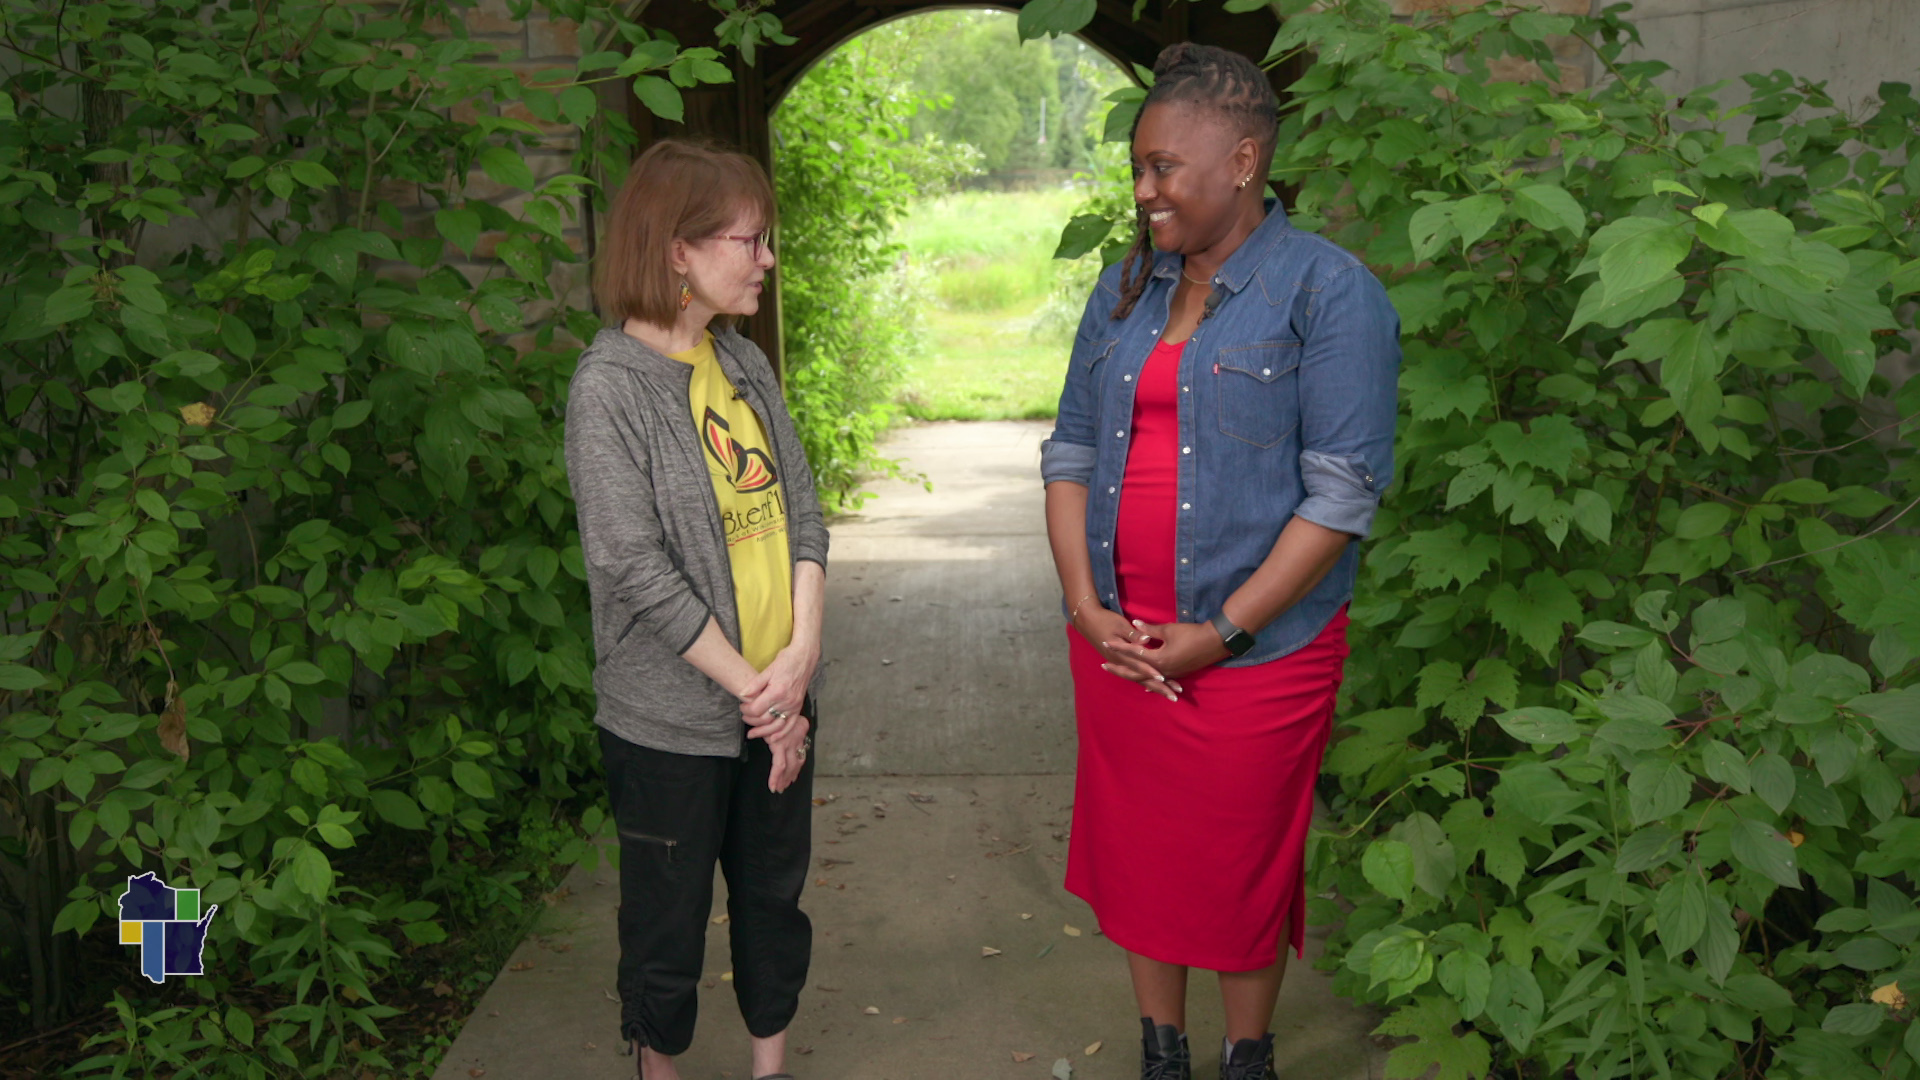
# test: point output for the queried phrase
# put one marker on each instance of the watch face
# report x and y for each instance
(1240, 643)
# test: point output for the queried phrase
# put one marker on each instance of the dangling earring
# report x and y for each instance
(686, 294)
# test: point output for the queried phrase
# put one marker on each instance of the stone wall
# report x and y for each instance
(1851, 45)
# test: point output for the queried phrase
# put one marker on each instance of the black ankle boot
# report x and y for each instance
(1248, 1059)
(1163, 1052)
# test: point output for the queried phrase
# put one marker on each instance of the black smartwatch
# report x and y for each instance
(1237, 641)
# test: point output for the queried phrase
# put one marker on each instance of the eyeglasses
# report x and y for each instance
(757, 243)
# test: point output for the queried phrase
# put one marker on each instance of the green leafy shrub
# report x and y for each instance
(294, 609)
(1624, 788)
(1637, 631)
(844, 172)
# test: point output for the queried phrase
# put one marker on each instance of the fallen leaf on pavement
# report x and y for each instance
(611, 996)
(827, 989)
(1092, 1048)
(919, 798)
(1044, 950)
(728, 977)
(593, 1046)
(872, 1010)
(476, 1072)
(820, 881)
(1063, 1069)
(1026, 915)
(1071, 930)
(718, 919)
(899, 1019)
(1022, 1055)
(803, 1051)
(524, 965)
(988, 950)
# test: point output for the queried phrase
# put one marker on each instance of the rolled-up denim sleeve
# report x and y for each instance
(1068, 454)
(1349, 387)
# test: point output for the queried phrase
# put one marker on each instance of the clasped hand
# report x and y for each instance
(781, 689)
(1154, 655)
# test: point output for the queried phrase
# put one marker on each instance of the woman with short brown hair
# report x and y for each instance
(706, 563)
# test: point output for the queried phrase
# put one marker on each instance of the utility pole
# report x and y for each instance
(1043, 119)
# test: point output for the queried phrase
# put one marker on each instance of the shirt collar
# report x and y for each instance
(1239, 268)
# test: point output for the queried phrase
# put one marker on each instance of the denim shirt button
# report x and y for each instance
(1186, 506)
(1266, 371)
(1112, 490)
(1126, 378)
(1119, 434)
(1369, 479)
(1185, 389)
(1183, 562)
(1186, 449)
(1106, 543)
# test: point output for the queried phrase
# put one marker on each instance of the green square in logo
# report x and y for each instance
(186, 905)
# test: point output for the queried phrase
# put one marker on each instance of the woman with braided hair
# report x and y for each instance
(1224, 434)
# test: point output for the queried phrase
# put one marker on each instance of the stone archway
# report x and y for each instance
(738, 113)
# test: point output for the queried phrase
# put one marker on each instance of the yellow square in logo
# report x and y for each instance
(130, 932)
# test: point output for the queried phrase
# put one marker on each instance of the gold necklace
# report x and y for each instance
(1191, 278)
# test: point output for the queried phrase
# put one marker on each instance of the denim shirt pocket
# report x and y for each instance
(1088, 352)
(1259, 391)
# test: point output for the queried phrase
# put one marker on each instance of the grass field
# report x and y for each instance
(998, 331)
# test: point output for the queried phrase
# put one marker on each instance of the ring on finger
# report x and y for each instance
(776, 714)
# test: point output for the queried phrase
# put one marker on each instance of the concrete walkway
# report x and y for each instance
(940, 827)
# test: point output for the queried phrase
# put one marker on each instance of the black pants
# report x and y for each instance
(677, 814)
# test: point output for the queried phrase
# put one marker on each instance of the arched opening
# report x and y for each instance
(974, 147)
(739, 112)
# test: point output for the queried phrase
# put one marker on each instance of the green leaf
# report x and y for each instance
(473, 779)
(1082, 234)
(1436, 1050)
(1593, 515)
(1540, 725)
(1539, 614)
(1895, 714)
(398, 807)
(301, 673)
(17, 677)
(1466, 977)
(1773, 781)
(1657, 788)
(461, 228)
(1613, 635)
(1051, 18)
(579, 104)
(351, 414)
(1703, 519)
(1388, 867)
(312, 873)
(1680, 911)
(1548, 206)
(1762, 234)
(1724, 765)
(660, 97)
(1473, 217)
(1761, 848)
(1859, 1019)
(504, 166)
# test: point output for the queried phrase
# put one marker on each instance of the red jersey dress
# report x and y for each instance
(1190, 817)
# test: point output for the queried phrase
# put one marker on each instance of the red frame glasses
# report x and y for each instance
(761, 241)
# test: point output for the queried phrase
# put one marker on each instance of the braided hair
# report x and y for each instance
(1213, 78)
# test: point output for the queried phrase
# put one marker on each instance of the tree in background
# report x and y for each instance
(997, 86)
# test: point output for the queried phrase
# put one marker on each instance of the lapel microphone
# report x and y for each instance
(1213, 303)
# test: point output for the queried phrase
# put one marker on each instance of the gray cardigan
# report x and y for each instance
(650, 529)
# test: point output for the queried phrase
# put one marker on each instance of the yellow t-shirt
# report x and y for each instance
(753, 506)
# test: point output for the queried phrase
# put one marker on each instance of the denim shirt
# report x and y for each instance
(1288, 394)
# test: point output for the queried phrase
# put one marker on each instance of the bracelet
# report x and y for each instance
(1075, 613)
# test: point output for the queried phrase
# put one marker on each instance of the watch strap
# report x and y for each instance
(1237, 641)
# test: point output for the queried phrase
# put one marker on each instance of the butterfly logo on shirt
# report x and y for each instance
(747, 467)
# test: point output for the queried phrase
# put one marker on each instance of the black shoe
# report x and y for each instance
(1163, 1052)
(1249, 1059)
